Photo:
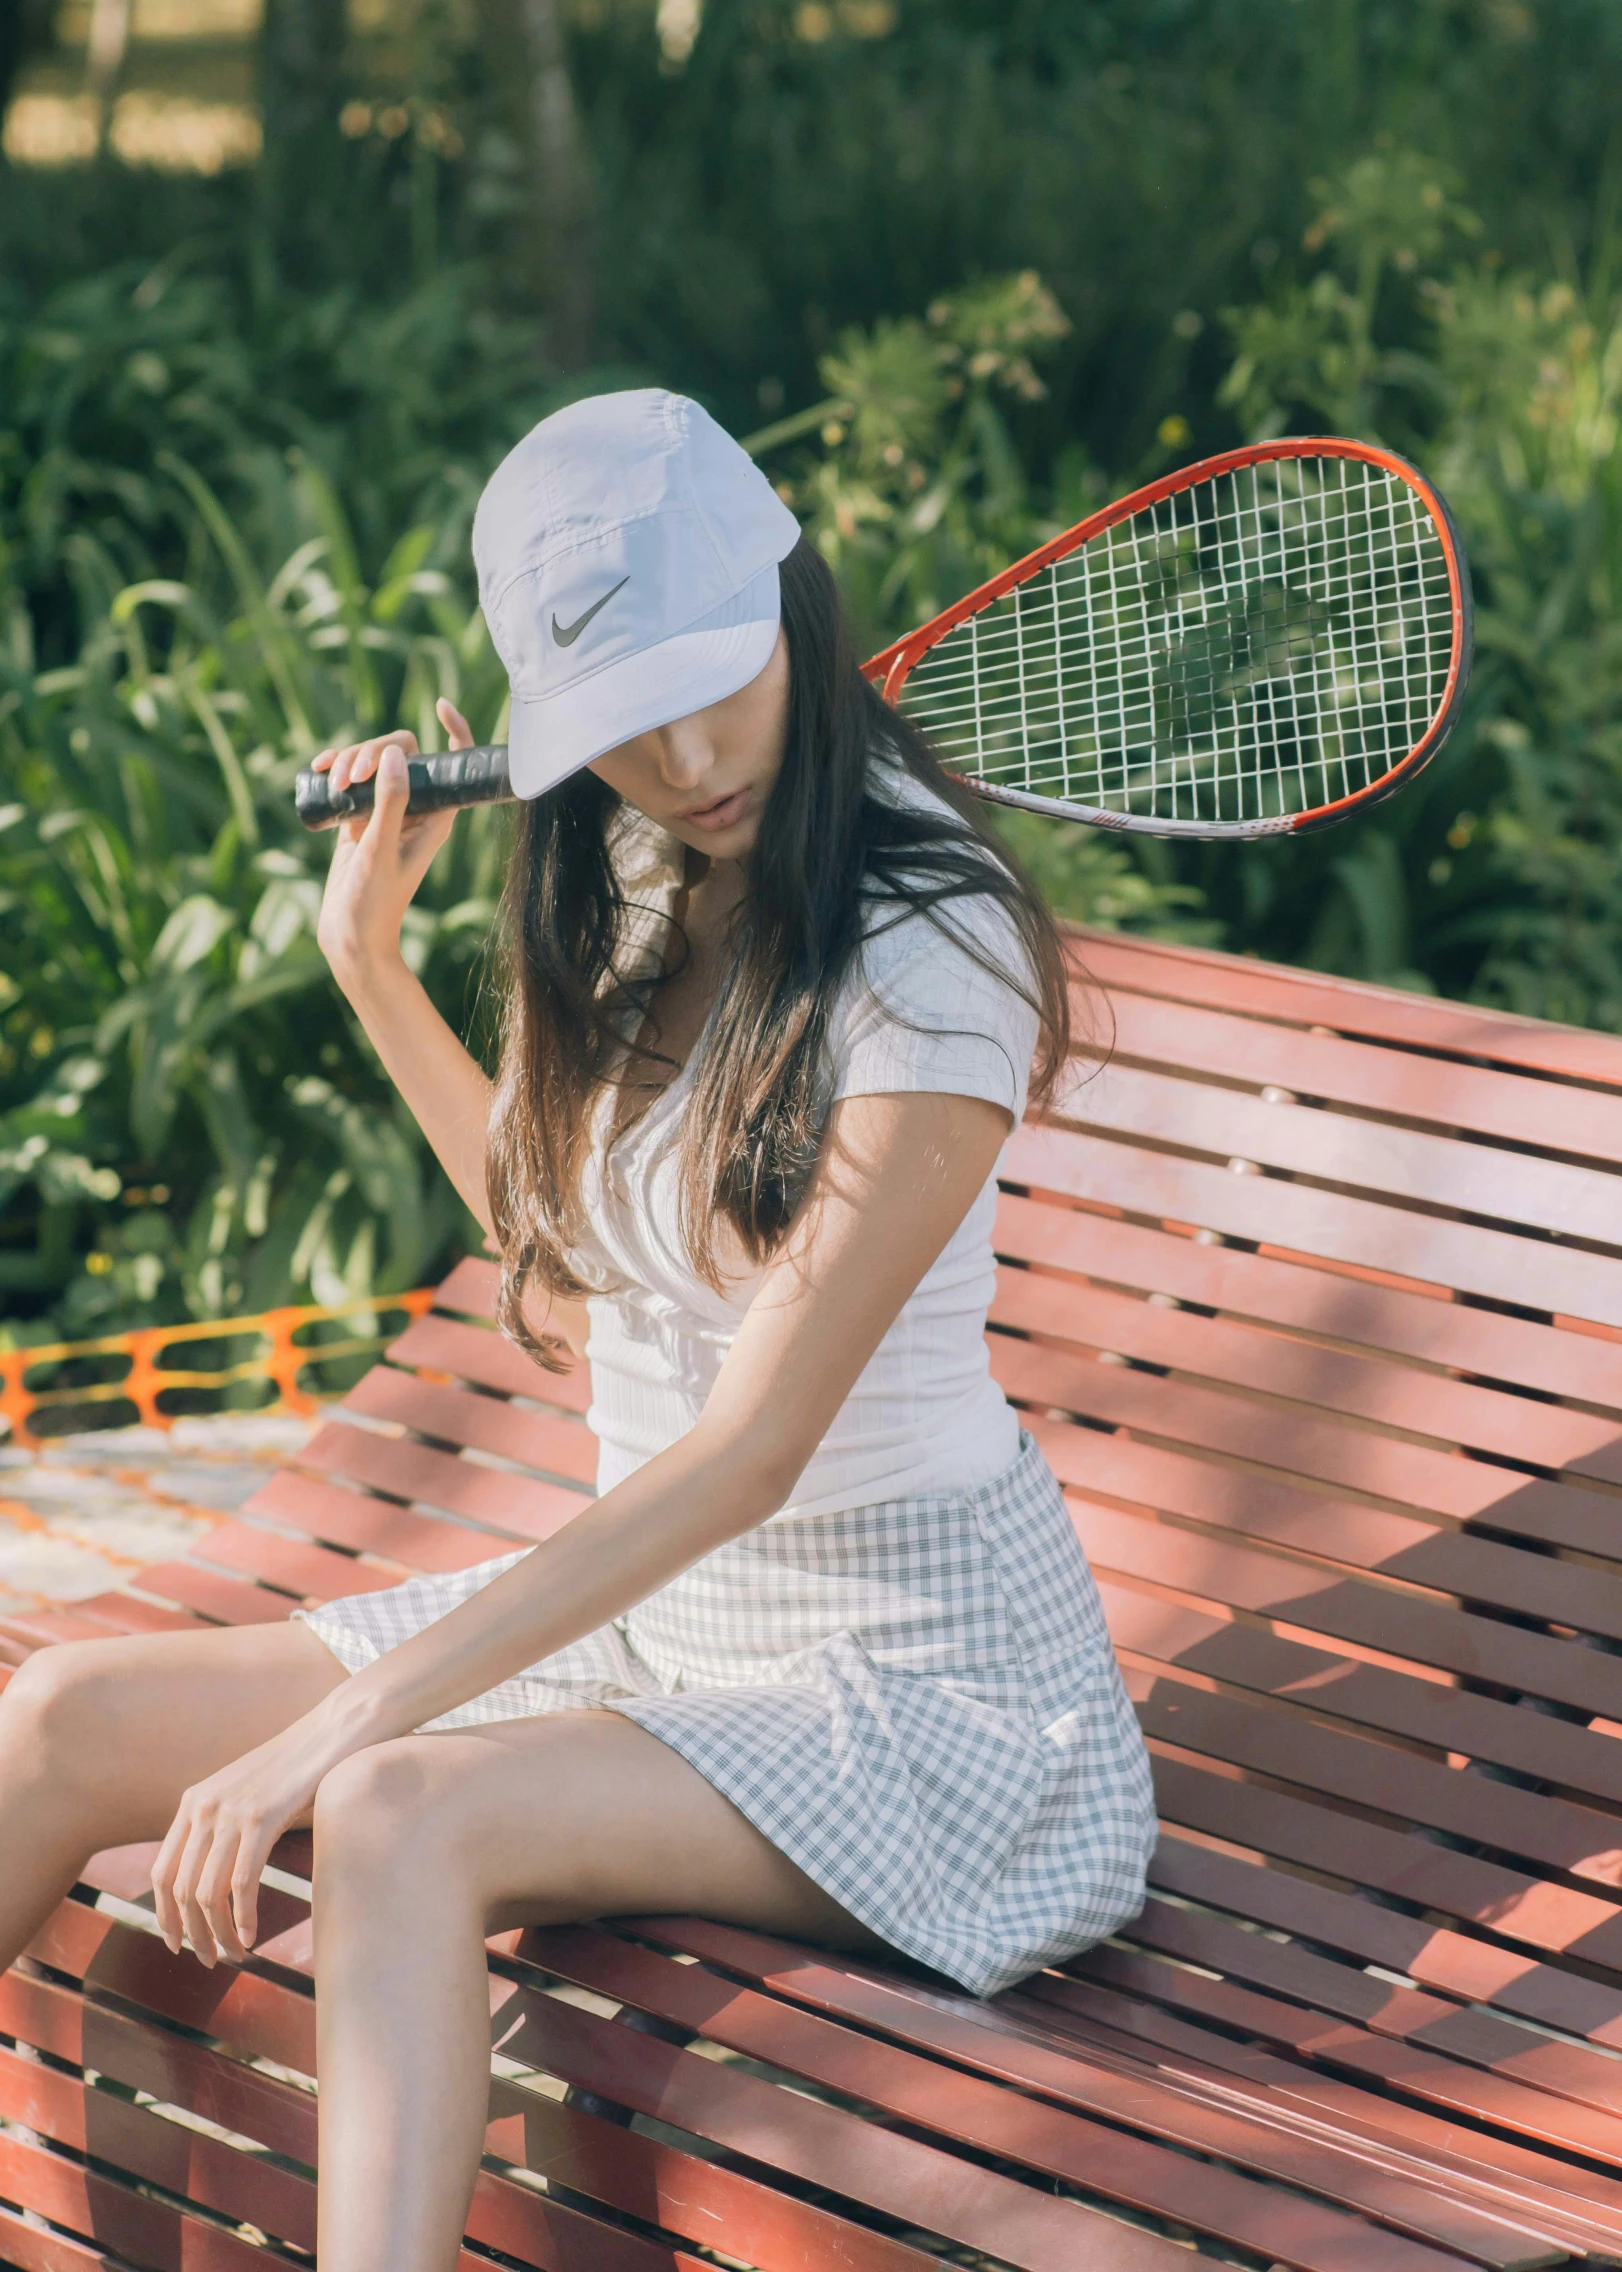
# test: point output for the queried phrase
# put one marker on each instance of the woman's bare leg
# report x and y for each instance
(422, 1847)
(98, 1739)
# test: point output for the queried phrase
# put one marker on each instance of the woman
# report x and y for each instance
(823, 1657)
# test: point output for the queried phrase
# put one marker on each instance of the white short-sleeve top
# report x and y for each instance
(919, 1011)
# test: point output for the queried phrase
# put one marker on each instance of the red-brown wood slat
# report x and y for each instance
(1419, 1328)
(1475, 1971)
(1304, 1219)
(1336, 1606)
(545, 1442)
(1189, 1419)
(1151, 1628)
(1114, 2162)
(1411, 2015)
(1011, 2038)
(1205, 1038)
(1412, 1166)
(1342, 1764)
(1268, 1360)
(258, 2017)
(1411, 1022)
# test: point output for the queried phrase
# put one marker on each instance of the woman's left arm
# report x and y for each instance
(895, 1178)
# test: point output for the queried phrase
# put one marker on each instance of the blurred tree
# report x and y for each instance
(536, 165)
(27, 29)
(106, 53)
(301, 73)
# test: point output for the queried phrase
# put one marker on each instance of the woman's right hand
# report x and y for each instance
(378, 861)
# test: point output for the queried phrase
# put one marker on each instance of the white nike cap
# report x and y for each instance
(627, 552)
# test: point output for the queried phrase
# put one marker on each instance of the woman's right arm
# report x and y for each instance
(377, 865)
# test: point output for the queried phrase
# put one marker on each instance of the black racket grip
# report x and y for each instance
(453, 777)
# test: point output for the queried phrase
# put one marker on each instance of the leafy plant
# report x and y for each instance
(1500, 875)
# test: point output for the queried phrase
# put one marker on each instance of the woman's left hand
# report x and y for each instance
(206, 1876)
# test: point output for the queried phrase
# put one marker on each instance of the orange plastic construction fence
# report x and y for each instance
(156, 1366)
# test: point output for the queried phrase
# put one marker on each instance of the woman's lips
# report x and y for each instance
(724, 813)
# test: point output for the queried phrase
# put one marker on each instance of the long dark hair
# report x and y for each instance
(832, 863)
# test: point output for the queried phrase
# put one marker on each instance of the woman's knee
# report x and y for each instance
(377, 1805)
(58, 1710)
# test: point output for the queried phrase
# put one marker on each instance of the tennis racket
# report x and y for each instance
(1257, 645)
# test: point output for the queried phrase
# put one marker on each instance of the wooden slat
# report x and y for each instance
(562, 1448)
(1339, 1148)
(1014, 2038)
(1151, 1627)
(227, 1601)
(1408, 2015)
(149, 2232)
(1510, 1903)
(272, 2113)
(662, 2185)
(1270, 1363)
(471, 1288)
(473, 1353)
(1552, 1834)
(1339, 1607)
(1379, 1467)
(1297, 1217)
(383, 1527)
(517, 1507)
(1578, 2207)
(1346, 1006)
(1430, 1332)
(1044, 2139)
(1339, 1534)
(1433, 1954)
(1369, 1077)
(299, 1569)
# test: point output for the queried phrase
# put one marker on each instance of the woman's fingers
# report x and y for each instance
(252, 1854)
(358, 762)
(389, 800)
(457, 729)
(193, 1922)
(165, 1906)
(213, 1896)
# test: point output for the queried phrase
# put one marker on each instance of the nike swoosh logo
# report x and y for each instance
(566, 636)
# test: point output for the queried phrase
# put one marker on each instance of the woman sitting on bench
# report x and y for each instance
(824, 1656)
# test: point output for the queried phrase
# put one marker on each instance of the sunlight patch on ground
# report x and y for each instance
(86, 1512)
(169, 132)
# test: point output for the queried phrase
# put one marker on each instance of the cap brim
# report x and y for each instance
(551, 738)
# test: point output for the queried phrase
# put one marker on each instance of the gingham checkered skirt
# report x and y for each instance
(917, 1702)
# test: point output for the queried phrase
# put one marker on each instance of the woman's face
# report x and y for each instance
(707, 777)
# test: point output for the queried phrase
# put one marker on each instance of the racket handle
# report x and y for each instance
(453, 777)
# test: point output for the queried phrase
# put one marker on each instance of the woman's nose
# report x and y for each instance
(685, 759)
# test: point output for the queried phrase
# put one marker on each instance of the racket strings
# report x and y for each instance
(1262, 644)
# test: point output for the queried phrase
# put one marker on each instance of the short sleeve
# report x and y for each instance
(936, 1003)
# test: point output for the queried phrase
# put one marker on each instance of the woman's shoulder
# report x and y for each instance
(942, 994)
(921, 915)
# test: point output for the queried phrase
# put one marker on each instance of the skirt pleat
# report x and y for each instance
(916, 1702)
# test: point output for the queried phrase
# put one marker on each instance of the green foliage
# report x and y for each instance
(1407, 209)
(1499, 877)
(189, 1121)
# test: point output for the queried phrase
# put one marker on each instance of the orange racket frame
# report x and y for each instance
(889, 670)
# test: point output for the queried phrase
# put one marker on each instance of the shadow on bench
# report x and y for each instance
(1315, 1303)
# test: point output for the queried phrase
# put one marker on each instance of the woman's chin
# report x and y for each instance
(734, 843)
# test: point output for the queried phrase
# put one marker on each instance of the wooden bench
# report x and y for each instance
(1315, 1302)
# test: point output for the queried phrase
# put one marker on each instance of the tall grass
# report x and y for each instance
(195, 594)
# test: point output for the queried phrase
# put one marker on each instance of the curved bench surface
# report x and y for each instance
(1313, 1296)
